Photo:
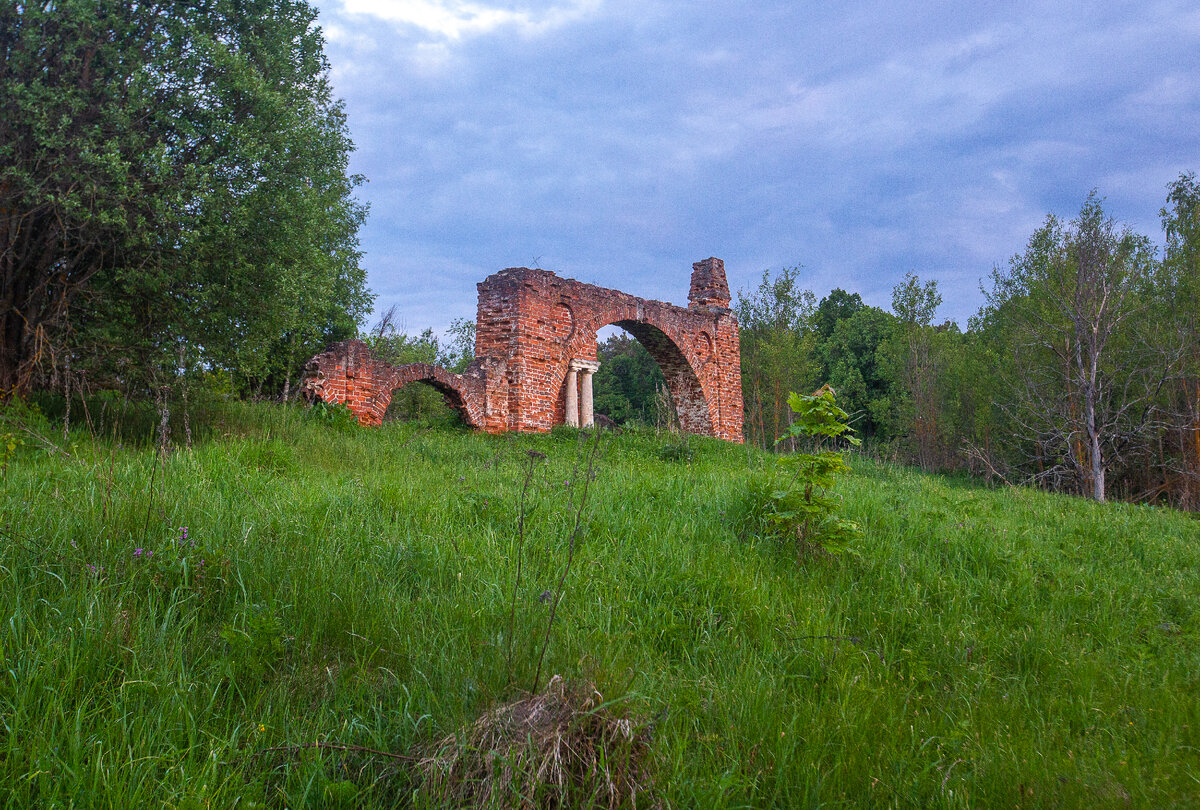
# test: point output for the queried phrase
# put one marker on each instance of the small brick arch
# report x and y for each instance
(456, 390)
(349, 373)
(531, 326)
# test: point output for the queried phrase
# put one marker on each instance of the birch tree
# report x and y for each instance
(1080, 377)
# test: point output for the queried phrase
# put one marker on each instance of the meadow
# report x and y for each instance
(181, 629)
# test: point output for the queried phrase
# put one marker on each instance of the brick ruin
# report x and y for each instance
(535, 353)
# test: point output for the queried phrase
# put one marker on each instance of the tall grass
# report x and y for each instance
(982, 647)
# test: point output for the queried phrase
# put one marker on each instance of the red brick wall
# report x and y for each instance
(348, 373)
(540, 322)
(531, 324)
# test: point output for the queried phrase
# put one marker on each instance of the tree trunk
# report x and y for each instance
(1093, 434)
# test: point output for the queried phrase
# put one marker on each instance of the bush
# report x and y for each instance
(335, 414)
(794, 502)
(677, 449)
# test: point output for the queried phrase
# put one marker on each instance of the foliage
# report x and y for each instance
(677, 448)
(335, 414)
(1076, 371)
(834, 308)
(255, 644)
(778, 350)
(9, 442)
(795, 503)
(1079, 374)
(1178, 326)
(174, 193)
(459, 349)
(627, 382)
(854, 362)
(418, 401)
(916, 357)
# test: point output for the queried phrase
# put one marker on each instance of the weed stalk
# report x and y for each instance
(591, 462)
(534, 456)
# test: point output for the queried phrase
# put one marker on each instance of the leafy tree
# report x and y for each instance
(1176, 305)
(834, 308)
(627, 382)
(1079, 378)
(850, 338)
(459, 348)
(778, 343)
(795, 503)
(915, 358)
(172, 182)
(389, 342)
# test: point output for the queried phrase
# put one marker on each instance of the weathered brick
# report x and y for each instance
(530, 324)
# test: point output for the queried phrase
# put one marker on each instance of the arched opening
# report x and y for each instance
(645, 377)
(427, 401)
(628, 386)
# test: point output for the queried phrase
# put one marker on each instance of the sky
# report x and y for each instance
(616, 142)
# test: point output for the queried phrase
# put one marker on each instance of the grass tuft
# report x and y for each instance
(563, 747)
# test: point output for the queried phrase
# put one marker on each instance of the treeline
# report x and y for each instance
(175, 199)
(1080, 374)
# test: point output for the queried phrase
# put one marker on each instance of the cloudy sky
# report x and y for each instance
(617, 142)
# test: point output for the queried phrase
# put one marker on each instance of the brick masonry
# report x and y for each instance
(530, 325)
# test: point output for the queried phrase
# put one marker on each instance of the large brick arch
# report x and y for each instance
(531, 325)
(540, 322)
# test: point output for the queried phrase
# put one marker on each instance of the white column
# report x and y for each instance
(573, 398)
(586, 396)
(581, 408)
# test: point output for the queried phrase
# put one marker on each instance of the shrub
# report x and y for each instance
(677, 449)
(794, 501)
(335, 414)
(255, 644)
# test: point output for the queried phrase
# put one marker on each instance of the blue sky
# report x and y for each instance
(617, 142)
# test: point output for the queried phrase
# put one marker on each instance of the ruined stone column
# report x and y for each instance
(586, 417)
(584, 413)
(573, 397)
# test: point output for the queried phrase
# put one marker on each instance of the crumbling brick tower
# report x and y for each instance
(535, 350)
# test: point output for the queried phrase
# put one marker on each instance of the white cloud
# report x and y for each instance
(455, 19)
(648, 133)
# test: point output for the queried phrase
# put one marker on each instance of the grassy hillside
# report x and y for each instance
(335, 584)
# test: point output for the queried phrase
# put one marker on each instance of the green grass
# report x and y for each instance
(982, 648)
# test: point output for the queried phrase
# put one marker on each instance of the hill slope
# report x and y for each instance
(982, 647)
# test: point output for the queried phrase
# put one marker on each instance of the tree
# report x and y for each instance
(1177, 302)
(1079, 376)
(916, 365)
(850, 335)
(388, 341)
(834, 308)
(778, 356)
(628, 380)
(459, 347)
(171, 173)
